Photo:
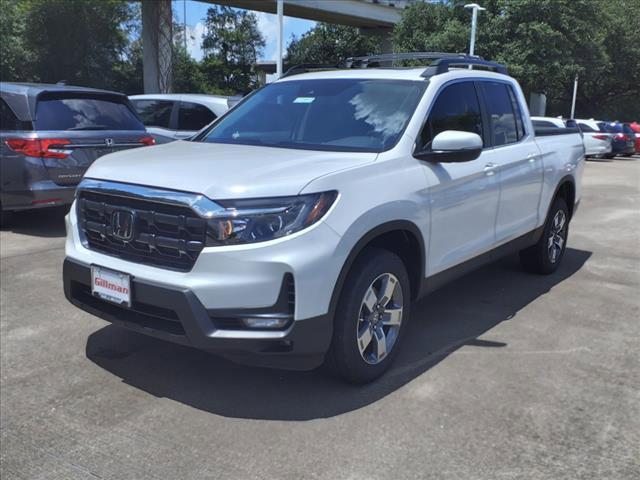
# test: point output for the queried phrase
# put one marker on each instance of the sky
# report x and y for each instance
(267, 23)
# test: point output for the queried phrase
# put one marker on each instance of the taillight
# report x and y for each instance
(148, 141)
(601, 137)
(39, 147)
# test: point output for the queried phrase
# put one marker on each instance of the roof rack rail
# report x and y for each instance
(442, 65)
(366, 60)
(306, 67)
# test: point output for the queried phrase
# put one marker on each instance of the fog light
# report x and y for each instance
(265, 322)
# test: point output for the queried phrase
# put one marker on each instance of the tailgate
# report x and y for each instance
(83, 148)
(88, 124)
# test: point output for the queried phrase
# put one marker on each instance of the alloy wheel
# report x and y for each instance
(557, 236)
(380, 318)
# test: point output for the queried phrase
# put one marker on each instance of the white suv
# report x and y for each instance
(302, 225)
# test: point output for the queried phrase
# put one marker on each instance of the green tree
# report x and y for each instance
(545, 44)
(427, 27)
(187, 73)
(231, 48)
(330, 44)
(78, 41)
(14, 55)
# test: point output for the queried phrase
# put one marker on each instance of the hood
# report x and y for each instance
(222, 171)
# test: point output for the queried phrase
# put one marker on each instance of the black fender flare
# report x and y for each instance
(365, 240)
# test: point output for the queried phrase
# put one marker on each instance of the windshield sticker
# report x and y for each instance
(304, 99)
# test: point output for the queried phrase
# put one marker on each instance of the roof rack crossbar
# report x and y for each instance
(305, 67)
(442, 65)
(365, 60)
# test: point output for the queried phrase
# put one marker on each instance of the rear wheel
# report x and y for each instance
(371, 317)
(545, 256)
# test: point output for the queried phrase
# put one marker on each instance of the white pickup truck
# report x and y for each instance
(300, 227)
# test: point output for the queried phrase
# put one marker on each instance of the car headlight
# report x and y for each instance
(262, 219)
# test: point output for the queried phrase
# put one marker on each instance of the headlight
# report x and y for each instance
(259, 220)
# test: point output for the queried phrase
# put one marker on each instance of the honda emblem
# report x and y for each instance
(122, 224)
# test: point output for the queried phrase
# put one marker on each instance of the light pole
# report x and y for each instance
(474, 19)
(575, 93)
(280, 12)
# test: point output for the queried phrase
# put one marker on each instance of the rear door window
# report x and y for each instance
(64, 112)
(456, 108)
(503, 127)
(193, 117)
(154, 113)
(9, 121)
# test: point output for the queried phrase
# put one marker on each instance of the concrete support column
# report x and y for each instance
(157, 40)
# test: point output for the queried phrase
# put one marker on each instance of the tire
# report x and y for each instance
(546, 255)
(364, 322)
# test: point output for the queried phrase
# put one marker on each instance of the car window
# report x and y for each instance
(154, 113)
(456, 108)
(543, 123)
(347, 114)
(518, 113)
(585, 128)
(83, 112)
(503, 128)
(626, 128)
(192, 116)
(9, 121)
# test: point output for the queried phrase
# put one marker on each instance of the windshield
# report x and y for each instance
(335, 115)
(85, 113)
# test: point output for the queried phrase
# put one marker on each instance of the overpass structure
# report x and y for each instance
(373, 16)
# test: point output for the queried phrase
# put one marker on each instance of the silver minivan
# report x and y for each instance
(50, 134)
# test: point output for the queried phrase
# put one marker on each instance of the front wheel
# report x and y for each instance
(371, 317)
(545, 256)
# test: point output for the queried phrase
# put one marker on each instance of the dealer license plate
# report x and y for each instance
(111, 285)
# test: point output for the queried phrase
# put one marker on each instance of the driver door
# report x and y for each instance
(463, 196)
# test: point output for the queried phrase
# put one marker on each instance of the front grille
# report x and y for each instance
(163, 235)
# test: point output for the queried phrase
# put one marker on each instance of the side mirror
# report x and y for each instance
(452, 146)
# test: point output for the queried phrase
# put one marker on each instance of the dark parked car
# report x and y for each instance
(635, 126)
(623, 138)
(49, 136)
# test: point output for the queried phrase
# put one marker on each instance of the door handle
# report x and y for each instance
(489, 168)
(532, 157)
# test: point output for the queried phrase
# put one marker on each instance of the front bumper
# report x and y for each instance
(175, 314)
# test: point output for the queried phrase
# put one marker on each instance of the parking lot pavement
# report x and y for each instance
(503, 375)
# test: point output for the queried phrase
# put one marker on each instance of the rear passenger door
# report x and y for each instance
(192, 117)
(516, 160)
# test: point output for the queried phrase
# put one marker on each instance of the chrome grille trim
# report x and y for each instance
(169, 230)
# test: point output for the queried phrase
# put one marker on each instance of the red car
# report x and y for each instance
(635, 126)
